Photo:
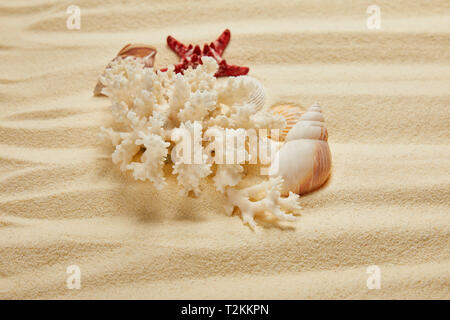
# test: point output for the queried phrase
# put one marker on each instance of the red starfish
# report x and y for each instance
(191, 56)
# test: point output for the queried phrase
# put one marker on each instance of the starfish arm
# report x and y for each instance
(222, 42)
(226, 70)
(179, 68)
(179, 48)
(208, 50)
(197, 50)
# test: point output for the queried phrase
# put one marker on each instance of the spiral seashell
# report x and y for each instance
(304, 161)
(291, 114)
(311, 125)
(137, 50)
(258, 96)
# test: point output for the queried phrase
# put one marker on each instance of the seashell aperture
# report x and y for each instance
(137, 50)
(304, 161)
(291, 114)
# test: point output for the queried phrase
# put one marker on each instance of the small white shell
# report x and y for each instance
(291, 114)
(258, 96)
(304, 161)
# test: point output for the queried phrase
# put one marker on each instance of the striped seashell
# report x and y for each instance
(137, 50)
(304, 161)
(291, 114)
(258, 96)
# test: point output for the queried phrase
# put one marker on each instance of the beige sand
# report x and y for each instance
(385, 95)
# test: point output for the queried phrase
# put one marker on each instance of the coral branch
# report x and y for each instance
(271, 201)
(161, 111)
(230, 70)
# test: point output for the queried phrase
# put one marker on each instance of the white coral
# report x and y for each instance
(150, 166)
(161, 111)
(198, 106)
(228, 155)
(190, 160)
(227, 175)
(236, 90)
(261, 199)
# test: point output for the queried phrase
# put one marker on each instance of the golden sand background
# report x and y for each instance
(385, 96)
